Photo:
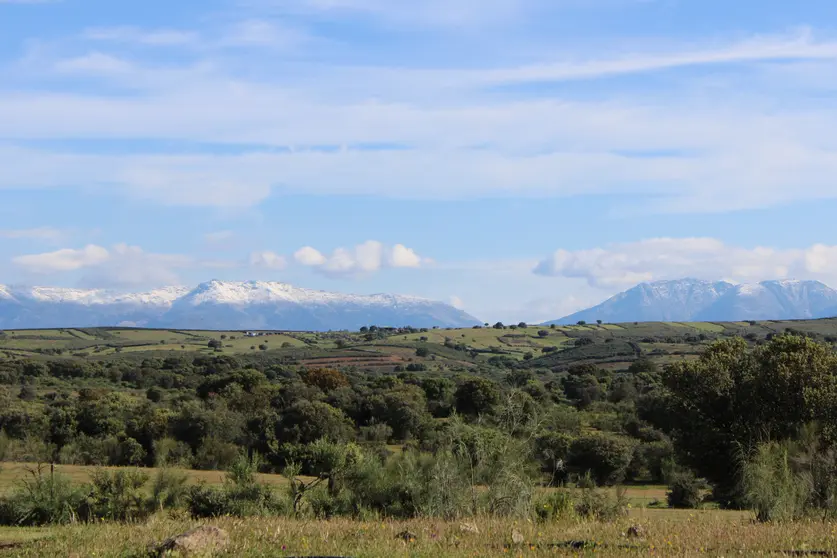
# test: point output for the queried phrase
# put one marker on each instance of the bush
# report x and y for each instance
(556, 505)
(240, 496)
(685, 492)
(600, 505)
(168, 489)
(770, 486)
(118, 495)
(42, 499)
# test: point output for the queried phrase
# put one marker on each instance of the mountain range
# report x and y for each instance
(221, 305)
(687, 300)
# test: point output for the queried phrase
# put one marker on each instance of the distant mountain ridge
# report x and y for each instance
(687, 300)
(221, 305)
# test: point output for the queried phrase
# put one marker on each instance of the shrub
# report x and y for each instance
(168, 489)
(117, 495)
(42, 499)
(685, 492)
(770, 487)
(214, 454)
(240, 496)
(554, 506)
(600, 505)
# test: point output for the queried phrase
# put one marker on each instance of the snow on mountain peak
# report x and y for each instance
(222, 305)
(262, 292)
(751, 289)
(60, 295)
(5, 294)
(696, 300)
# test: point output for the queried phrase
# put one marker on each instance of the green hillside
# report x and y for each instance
(612, 346)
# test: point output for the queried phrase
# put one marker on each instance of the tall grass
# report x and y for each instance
(771, 486)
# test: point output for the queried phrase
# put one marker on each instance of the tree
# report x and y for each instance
(327, 379)
(605, 456)
(543, 333)
(583, 390)
(582, 323)
(307, 421)
(522, 325)
(214, 344)
(499, 325)
(476, 396)
(599, 322)
(723, 405)
(422, 352)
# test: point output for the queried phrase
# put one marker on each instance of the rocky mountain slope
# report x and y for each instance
(694, 300)
(221, 305)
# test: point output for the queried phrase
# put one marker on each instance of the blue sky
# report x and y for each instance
(520, 158)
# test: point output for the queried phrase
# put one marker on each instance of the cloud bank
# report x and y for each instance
(626, 264)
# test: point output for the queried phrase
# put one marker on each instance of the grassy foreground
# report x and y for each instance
(665, 534)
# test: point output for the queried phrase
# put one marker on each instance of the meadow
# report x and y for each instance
(692, 534)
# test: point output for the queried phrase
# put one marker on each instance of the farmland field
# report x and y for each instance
(664, 342)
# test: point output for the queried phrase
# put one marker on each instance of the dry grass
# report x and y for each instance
(667, 534)
(11, 473)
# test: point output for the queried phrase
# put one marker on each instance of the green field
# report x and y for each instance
(541, 346)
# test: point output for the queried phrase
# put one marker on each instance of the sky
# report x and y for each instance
(520, 159)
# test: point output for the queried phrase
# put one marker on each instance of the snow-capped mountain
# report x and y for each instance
(221, 305)
(695, 300)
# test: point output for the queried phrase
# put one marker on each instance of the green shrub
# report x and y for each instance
(600, 505)
(685, 492)
(42, 499)
(168, 489)
(240, 496)
(554, 506)
(770, 486)
(118, 495)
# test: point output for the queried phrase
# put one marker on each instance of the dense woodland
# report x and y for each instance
(752, 423)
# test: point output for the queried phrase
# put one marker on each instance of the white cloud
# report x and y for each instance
(94, 63)
(623, 265)
(263, 33)
(40, 233)
(448, 13)
(66, 259)
(119, 266)
(309, 256)
(456, 302)
(369, 257)
(127, 34)
(401, 256)
(737, 150)
(268, 260)
(726, 154)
